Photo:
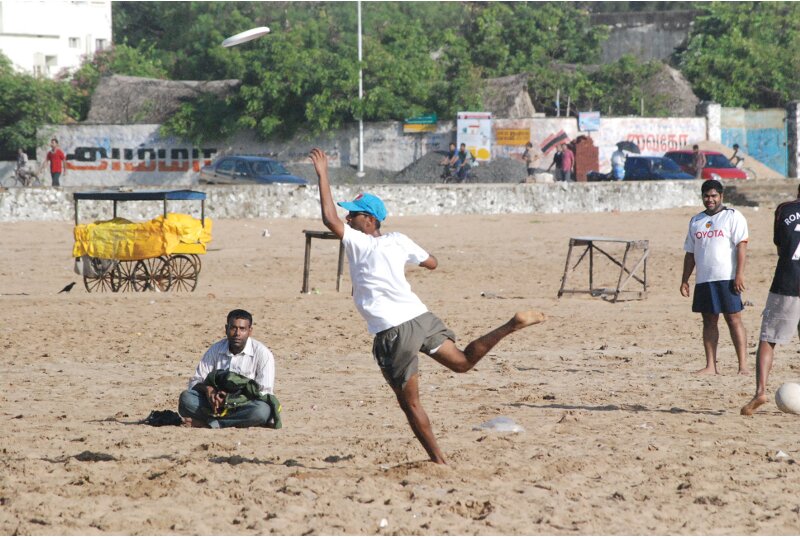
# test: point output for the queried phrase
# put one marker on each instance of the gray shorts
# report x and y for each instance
(780, 319)
(395, 349)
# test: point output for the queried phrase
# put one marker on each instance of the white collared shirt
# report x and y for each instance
(254, 362)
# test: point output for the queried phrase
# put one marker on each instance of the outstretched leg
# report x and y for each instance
(459, 361)
(408, 397)
(766, 351)
(739, 338)
(710, 341)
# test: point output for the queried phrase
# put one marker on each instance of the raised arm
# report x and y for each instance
(329, 216)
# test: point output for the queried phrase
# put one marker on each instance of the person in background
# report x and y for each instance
(699, 162)
(567, 163)
(57, 160)
(618, 163)
(558, 157)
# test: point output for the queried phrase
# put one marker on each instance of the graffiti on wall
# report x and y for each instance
(659, 143)
(140, 159)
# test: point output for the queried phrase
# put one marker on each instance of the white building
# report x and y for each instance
(44, 37)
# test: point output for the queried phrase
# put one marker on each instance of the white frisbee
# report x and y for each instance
(246, 36)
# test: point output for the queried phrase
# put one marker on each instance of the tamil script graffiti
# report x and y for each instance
(659, 142)
(140, 159)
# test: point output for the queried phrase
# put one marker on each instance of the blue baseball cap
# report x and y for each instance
(366, 203)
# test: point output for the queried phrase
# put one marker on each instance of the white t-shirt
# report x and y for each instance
(377, 268)
(713, 241)
(618, 158)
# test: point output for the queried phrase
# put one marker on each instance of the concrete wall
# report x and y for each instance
(290, 201)
(647, 36)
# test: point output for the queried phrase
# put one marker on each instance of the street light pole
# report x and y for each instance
(360, 102)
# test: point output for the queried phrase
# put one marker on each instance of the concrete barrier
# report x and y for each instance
(292, 201)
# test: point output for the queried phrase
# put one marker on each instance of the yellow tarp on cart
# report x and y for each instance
(128, 241)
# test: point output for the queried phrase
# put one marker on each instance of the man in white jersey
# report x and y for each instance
(717, 245)
(401, 323)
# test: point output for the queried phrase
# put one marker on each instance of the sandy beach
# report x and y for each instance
(619, 437)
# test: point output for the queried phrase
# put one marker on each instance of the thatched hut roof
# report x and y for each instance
(668, 87)
(508, 97)
(674, 91)
(128, 100)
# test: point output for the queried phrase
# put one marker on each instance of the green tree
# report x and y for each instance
(744, 53)
(27, 103)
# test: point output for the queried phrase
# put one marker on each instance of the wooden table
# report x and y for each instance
(307, 262)
(636, 253)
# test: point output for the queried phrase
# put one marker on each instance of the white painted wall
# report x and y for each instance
(654, 136)
(115, 155)
(44, 37)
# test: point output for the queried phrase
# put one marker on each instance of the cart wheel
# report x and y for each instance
(99, 284)
(103, 280)
(184, 273)
(129, 276)
(156, 274)
(197, 263)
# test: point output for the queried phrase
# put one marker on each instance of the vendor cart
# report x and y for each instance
(162, 254)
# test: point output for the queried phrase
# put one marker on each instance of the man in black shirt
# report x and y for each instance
(781, 317)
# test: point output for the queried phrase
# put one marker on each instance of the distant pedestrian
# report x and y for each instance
(717, 245)
(531, 158)
(618, 163)
(558, 158)
(567, 163)
(699, 162)
(57, 160)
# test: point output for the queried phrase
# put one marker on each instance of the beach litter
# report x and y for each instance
(500, 424)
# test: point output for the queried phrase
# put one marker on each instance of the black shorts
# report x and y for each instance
(716, 297)
(395, 349)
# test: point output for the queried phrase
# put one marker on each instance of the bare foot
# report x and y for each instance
(745, 372)
(755, 402)
(705, 371)
(526, 318)
(188, 422)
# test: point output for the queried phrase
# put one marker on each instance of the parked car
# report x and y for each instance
(717, 165)
(639, 168)
(234, 170)
(652, 169)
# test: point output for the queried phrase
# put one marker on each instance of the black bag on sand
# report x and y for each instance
(160, 418)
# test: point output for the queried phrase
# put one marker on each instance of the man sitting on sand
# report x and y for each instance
(233, 383)
(402, 324)
(781, 318)
(717, 244)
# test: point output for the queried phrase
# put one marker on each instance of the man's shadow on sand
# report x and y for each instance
(623, 408)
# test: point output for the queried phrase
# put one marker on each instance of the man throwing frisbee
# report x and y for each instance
(401, 323)
(717, 245)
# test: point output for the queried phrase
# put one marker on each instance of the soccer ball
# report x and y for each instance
(788, 397)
